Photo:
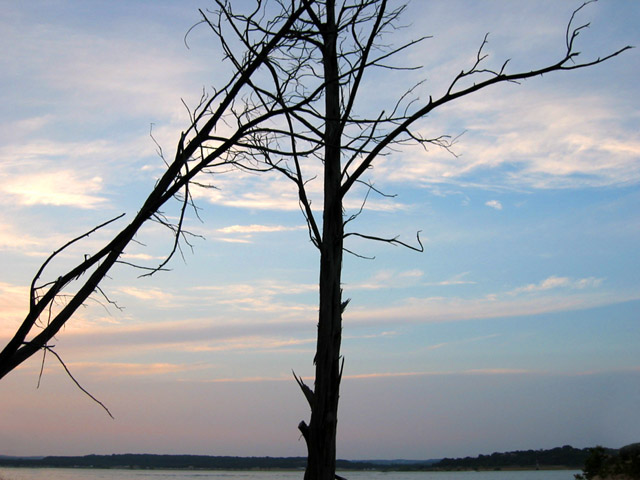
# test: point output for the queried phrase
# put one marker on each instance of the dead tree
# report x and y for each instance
(293, 103)
(328, 55)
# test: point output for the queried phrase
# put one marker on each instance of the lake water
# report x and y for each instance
(97, 474)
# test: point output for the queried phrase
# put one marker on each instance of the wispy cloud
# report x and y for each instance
(497, 305)
(353, 204)
(264, 298)
(488, 371)
(277, 193)
(198, 339)
(405, 279)
(458, 279)
(140, 256)
(570, 149)
(59, 188)
(109, 369)
(148, 294)
(207, 334)
(495, 204)
(245, 233)
(252, 343)
(265, 287)
(388, 278)
(234, 240)
(245, 191)
(13, 239)
(268, 304)
(257, 228)
(554, 282)
(13, 307)
(498, 371)
(461, 342)
(375, 375)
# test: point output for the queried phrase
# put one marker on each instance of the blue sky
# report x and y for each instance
(517, 328)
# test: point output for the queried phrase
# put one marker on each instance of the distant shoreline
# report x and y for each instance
(560, 458)
(545, 469)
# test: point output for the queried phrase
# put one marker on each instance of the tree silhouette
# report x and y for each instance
(197, 152)
(292, 106)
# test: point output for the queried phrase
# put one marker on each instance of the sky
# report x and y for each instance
(517, 328)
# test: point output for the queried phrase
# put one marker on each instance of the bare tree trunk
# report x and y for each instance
(321, 440)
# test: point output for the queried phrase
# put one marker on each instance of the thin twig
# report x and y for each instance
(48, 348)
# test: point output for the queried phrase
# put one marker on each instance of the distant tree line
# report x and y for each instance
(597, 463)
(177, 462)
(565, 456)
(604, 463)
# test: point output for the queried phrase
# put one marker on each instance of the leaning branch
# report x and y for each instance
(174, 179)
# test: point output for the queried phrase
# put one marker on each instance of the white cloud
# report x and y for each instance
(148, 294)
(234, 240)
(354, 203)
(59, 188)
(267, 287)
(458, 279)
(415, 273)
(255, 343)
(251, 195)
(554, 282)
(56, 172)
(140, 256)
(578, 140)
(538, 138)
(499, 305)
(267, 304)
(388, 278)
(245, 233)
(257, 228)
(495, 204)
(406, 279)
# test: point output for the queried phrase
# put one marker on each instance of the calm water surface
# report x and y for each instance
(82, 474)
